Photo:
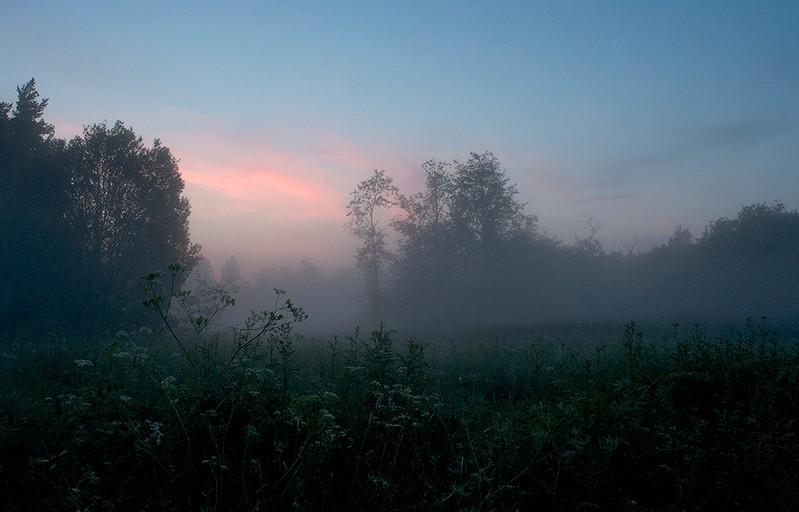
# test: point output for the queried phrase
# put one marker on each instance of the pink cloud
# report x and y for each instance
(252, 181)
(257, 177)
(249, 197)
(65, 129)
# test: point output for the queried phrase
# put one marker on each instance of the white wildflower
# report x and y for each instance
(155, 431)
(168, 383)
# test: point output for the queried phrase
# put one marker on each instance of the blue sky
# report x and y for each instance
(645, 115)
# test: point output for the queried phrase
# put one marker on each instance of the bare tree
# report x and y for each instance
(590, 244)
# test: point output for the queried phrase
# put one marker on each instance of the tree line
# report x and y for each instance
(82, 220)
(464, 251)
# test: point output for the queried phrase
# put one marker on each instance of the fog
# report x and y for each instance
(460, 252)
(740, 267)
(330, 298)
(136, 374)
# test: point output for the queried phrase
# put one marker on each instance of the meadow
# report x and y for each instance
(105, 405)
(566, 417)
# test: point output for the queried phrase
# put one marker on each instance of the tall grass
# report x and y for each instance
(687, 421)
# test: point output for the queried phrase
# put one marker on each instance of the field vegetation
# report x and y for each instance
(568, 418)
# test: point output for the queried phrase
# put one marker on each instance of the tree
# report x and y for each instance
(426, 213)
(28, 123)
(230, 275)
(35, 245)
(128, 213)
(589, 245)
(81, 222)
(461, 237)
(425, 248)
(485, 215)
(680, 239)
(373, 255)
(484, 205)
(758, 228)
(749, 263)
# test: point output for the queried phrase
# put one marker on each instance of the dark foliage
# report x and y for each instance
(689, 422)
(80, 222)
(36, 242)
(129, 215)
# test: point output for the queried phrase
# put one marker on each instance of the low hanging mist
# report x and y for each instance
(464, 253)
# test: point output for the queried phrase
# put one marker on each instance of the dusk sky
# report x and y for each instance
(646, 115)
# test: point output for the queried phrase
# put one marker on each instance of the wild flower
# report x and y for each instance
(68, 399)
(251, 433)
(155, 431)
(168, 383)
(327, 415)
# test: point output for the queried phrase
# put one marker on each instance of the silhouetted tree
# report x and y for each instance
(230, 275)
(680, 239)
(467, 254)
(486, 218)
(425, 245)
(372, 256)
(757, 228)
(26, 130)
(485, 213)
(749, 263)
(484, 205)
(461, 242)
(35, 245)
(128, 213)
(589, 244)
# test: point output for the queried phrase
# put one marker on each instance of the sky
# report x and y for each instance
(644, 115)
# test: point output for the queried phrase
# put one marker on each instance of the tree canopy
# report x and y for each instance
(452, 237)
(83, 220)
(34, 237)
(468, 253)
(128, 211)
(484, 207)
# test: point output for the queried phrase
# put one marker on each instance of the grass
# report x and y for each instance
(687, 421)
